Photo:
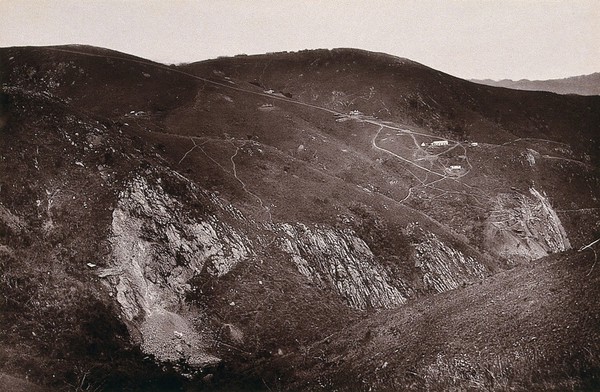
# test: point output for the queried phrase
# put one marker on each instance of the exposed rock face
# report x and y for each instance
(445, 268)
(525, 227)
(10, 222)
(156, 250)
(342, 260)
(531, 156)
(554, 236)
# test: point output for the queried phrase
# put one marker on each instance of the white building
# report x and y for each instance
(440, 143)
(455, 167)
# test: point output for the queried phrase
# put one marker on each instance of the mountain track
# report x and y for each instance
(380, 124)
(244, 187)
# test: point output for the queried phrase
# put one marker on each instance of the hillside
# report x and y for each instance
(580, 85)
(204, 225)
(510, 332)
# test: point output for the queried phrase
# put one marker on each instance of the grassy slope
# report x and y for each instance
(535, 327)
(59, 326)
(415, 93)
(422, 99)
(425, 101)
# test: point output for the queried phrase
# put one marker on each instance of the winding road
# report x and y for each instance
(380, 124)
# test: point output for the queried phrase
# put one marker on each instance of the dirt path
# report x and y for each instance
(587, 166)
(533, 138)
(374, 143)
(191, 149)
(380, 124)
(244, 187)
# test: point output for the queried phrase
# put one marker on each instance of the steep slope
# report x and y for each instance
(416, 105)
(509, 332)
(409, 93)
(226, 215)
(581, 85)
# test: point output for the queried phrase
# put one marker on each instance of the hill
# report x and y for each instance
(510, 332)
(580, 85)
(204, 225)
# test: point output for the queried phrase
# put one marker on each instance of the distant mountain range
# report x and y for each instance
(580, 85)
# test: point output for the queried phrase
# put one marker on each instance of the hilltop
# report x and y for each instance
(209, 225)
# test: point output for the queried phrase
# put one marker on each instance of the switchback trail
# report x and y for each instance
(381, 124)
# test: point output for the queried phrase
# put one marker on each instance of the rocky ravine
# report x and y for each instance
(158, 248)
(156, 251)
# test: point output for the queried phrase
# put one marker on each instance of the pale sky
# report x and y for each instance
(534, 39)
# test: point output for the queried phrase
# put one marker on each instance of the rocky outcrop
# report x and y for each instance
(552, 231)
(443, 267)
(530, 156)
(341, 260)
(156, 251)
(158, 248)
(524, 227)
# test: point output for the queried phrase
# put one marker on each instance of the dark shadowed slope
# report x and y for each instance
(509, 332)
